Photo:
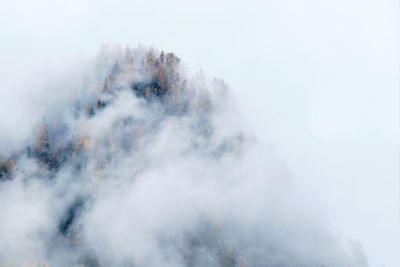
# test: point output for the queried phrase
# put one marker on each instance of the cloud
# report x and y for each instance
(137, 162)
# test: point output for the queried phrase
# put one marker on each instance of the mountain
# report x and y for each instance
(148, 165)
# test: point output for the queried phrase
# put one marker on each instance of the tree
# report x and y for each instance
(42, 141)
(105, 86)
(161, 81)
(162, 57)
(128, 56)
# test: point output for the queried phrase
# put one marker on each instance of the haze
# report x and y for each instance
(317, 82)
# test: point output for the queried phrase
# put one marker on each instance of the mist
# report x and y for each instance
(142, 163)
(316, 89)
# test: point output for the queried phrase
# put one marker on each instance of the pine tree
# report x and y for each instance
(128, 56)
(162, 57)
(42, 141)
(161, 82)
(105, 86)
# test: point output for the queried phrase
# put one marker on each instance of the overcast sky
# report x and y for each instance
(318, 81)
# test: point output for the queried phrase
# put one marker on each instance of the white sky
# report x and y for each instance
(317, 80)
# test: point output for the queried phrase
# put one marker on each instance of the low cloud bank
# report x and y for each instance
(137, 162)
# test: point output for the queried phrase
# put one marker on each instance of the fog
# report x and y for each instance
(317, 89)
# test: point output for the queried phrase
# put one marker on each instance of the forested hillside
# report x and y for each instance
(148, 165)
